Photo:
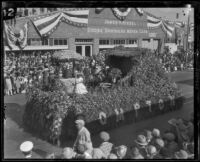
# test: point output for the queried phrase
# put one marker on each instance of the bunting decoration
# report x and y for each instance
(121, 15)
(48, 23)
(154, 22)
(139, 11)
(15, 40)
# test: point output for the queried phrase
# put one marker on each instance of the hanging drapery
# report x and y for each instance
(121, 15)
(48, 23)
(13, 39)
(139, 11)
(154, 22)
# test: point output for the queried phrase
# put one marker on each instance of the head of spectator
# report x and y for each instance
(97, 154)
(149, 136)
(152, 151)
(80, 124)
(159, 143)
(112, 156)
(68, 153)
(181, 154)
(135, 154)
(141, 141)
(121, 151)
(156, 133)
(82, 151)
(104, 136)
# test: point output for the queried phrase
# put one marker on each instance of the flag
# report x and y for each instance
(48, 23)
(13, 40)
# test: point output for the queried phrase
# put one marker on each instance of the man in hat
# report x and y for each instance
(106, 146)
(83, 136)
(82, 152)
(142, 145)
(152, 151)
(121, 151)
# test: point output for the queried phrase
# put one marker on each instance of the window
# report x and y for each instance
(34, 42)
(132, 41)
(60, 41)
(103, 42)
(118, 41)
(83, 40)
(45, 41)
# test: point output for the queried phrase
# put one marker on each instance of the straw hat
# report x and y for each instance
(104, 136)
(141, 140)
(97, 153)
(181, 154)
(159, 142)
(26, 147)
(151, 149)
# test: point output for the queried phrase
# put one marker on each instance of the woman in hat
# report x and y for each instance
(80, 88)
(142, 145)
(156, 135)
(135, 154)
(106, 146)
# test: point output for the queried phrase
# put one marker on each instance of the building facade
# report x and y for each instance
(104, 30)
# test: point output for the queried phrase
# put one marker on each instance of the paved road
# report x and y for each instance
(14, 135)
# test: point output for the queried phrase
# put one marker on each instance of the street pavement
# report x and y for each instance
(14, 134)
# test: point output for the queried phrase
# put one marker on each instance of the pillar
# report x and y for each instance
(71, 44)
(95, 46)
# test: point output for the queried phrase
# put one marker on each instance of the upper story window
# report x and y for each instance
(60, 41)
(104, 41)
(119, 41)
(79, 40)
(132, 41)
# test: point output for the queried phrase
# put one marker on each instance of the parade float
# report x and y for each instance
(138, 89)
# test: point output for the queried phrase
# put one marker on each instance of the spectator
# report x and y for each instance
(135, 154)
(159, 144)
(68, 153)
(112, 156)
(83, 136)
(83, 152)
(121, 151)
(156, 135)
(106, 146)
(98, 154)
(170, 143)
(152, 151)
(149, 136)
(8, 85)
(141, 145)
(181, 154)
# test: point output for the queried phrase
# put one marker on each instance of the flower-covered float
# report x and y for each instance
(130, 86)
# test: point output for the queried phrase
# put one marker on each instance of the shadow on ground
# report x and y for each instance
(188, 82)
(15, 112)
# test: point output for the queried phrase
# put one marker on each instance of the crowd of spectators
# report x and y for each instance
(175, 143)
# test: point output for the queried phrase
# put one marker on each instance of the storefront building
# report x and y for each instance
(103, 30)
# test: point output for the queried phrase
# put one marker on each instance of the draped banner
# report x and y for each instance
(48, 23)
(154, 22)
(121, 15)
(15, 40)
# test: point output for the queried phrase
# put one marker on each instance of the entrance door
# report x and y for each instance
(88, 51)
(79, 49)
(84, 50)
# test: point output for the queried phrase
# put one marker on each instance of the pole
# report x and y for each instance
(187, 43)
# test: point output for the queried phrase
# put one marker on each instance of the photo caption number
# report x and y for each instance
(9, 13)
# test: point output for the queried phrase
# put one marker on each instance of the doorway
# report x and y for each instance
(84, 50)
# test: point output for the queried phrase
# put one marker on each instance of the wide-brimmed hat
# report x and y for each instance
(181, 154)
(156, 132)
(104, 136)
(67, 153)
(141, 140)
(26, 147)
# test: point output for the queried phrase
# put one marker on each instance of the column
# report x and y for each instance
(71, 44)
(95, 47)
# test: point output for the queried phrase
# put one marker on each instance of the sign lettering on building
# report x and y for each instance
(113, 30)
